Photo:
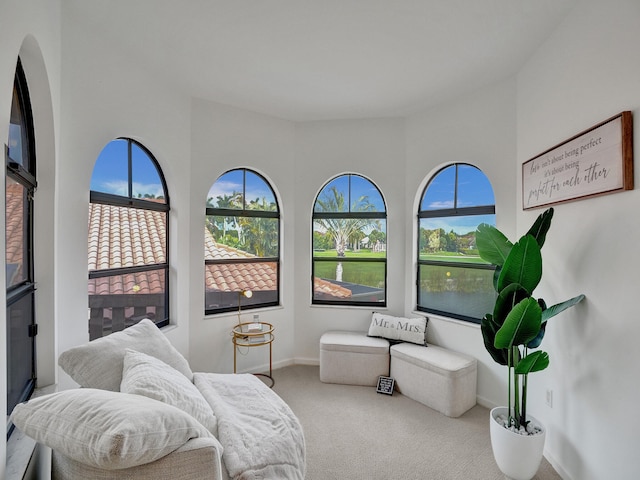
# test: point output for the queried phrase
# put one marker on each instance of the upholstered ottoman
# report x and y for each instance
(353, 358)
(439, 378)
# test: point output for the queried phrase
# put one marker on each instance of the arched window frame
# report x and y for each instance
(368, 299)
(452, 211)
(20, 283)
(229, 297)
(129, 201)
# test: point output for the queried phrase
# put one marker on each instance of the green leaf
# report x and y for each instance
(493, 246)
(521, 325)
(523, 265)
(535, 343)
(489, 329)
(534, 362)
(554, 310)
(541, 226)
(508, 298)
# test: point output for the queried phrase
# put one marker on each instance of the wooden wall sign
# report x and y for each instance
(597, 161)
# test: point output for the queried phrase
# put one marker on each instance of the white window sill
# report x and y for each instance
(20, 448)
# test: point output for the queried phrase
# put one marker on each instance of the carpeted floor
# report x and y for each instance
(355, 433)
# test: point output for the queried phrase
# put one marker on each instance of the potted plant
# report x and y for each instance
(511, 333)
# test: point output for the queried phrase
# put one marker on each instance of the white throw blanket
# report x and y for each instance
(261, 436)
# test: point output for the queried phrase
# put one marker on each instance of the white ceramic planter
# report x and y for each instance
(517, 456)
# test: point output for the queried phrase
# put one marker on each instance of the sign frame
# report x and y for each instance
(597, 161)
(385, 385)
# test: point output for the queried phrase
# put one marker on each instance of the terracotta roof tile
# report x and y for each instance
(126, 237)
(14, 223)
(327, 288)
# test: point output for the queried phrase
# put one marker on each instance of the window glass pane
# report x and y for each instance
(441, 190)
(126, 237)
(224, 281)
(349, 237)
(18, 140)
(461, 291)
(244, 239)
(349, 281)
(474, 188)
(334, 197)
(365, 197)
(259, 195)
(457, 290)
(119, 301)
(451, 239)
(146, 182)
(247, 237)
(20, 314)
(227, 191)
(17, 254)
(20, 350)
(111, 171)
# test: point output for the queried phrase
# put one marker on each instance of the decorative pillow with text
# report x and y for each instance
(400, 329)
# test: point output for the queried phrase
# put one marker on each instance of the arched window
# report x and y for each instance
(20, 161)
(128, 232)
(349, 243)
(452, 279)
(242, 243)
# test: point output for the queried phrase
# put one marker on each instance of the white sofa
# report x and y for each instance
(142, 413)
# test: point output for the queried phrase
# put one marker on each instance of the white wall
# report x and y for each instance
(586, 72)
(324, 150)
(224, 138)
(477, 129)
(107, 94)
(31, 29)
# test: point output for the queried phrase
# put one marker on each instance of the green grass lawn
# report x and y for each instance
(363, 253)
(451, 257)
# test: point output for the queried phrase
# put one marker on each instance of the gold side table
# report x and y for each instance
(245, 336)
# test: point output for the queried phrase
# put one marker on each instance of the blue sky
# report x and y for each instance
(360, 186)
(232, 181)
(474, 189)
(110, 173)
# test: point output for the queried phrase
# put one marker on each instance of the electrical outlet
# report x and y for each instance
(256, 317)
(549, 398)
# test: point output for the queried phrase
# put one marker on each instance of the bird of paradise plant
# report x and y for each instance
(518, 321)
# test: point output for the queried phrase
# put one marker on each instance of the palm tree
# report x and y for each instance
(342, 229)
(260, 235)
(232, 201)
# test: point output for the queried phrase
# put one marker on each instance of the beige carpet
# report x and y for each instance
(355, 433)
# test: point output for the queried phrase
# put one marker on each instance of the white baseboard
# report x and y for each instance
(306, 361)
(485, 403)
(557, 466)
(281, 364)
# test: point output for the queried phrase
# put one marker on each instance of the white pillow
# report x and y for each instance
(146, 375)
(98, 364)
(413, 330)
(104, 429)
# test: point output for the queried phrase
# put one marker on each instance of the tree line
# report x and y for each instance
(438, 240)
(255, 235)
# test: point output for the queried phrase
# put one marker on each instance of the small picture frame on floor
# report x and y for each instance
(385, 385)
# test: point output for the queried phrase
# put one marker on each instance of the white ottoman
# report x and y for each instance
(439, 378)
(353, 358)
